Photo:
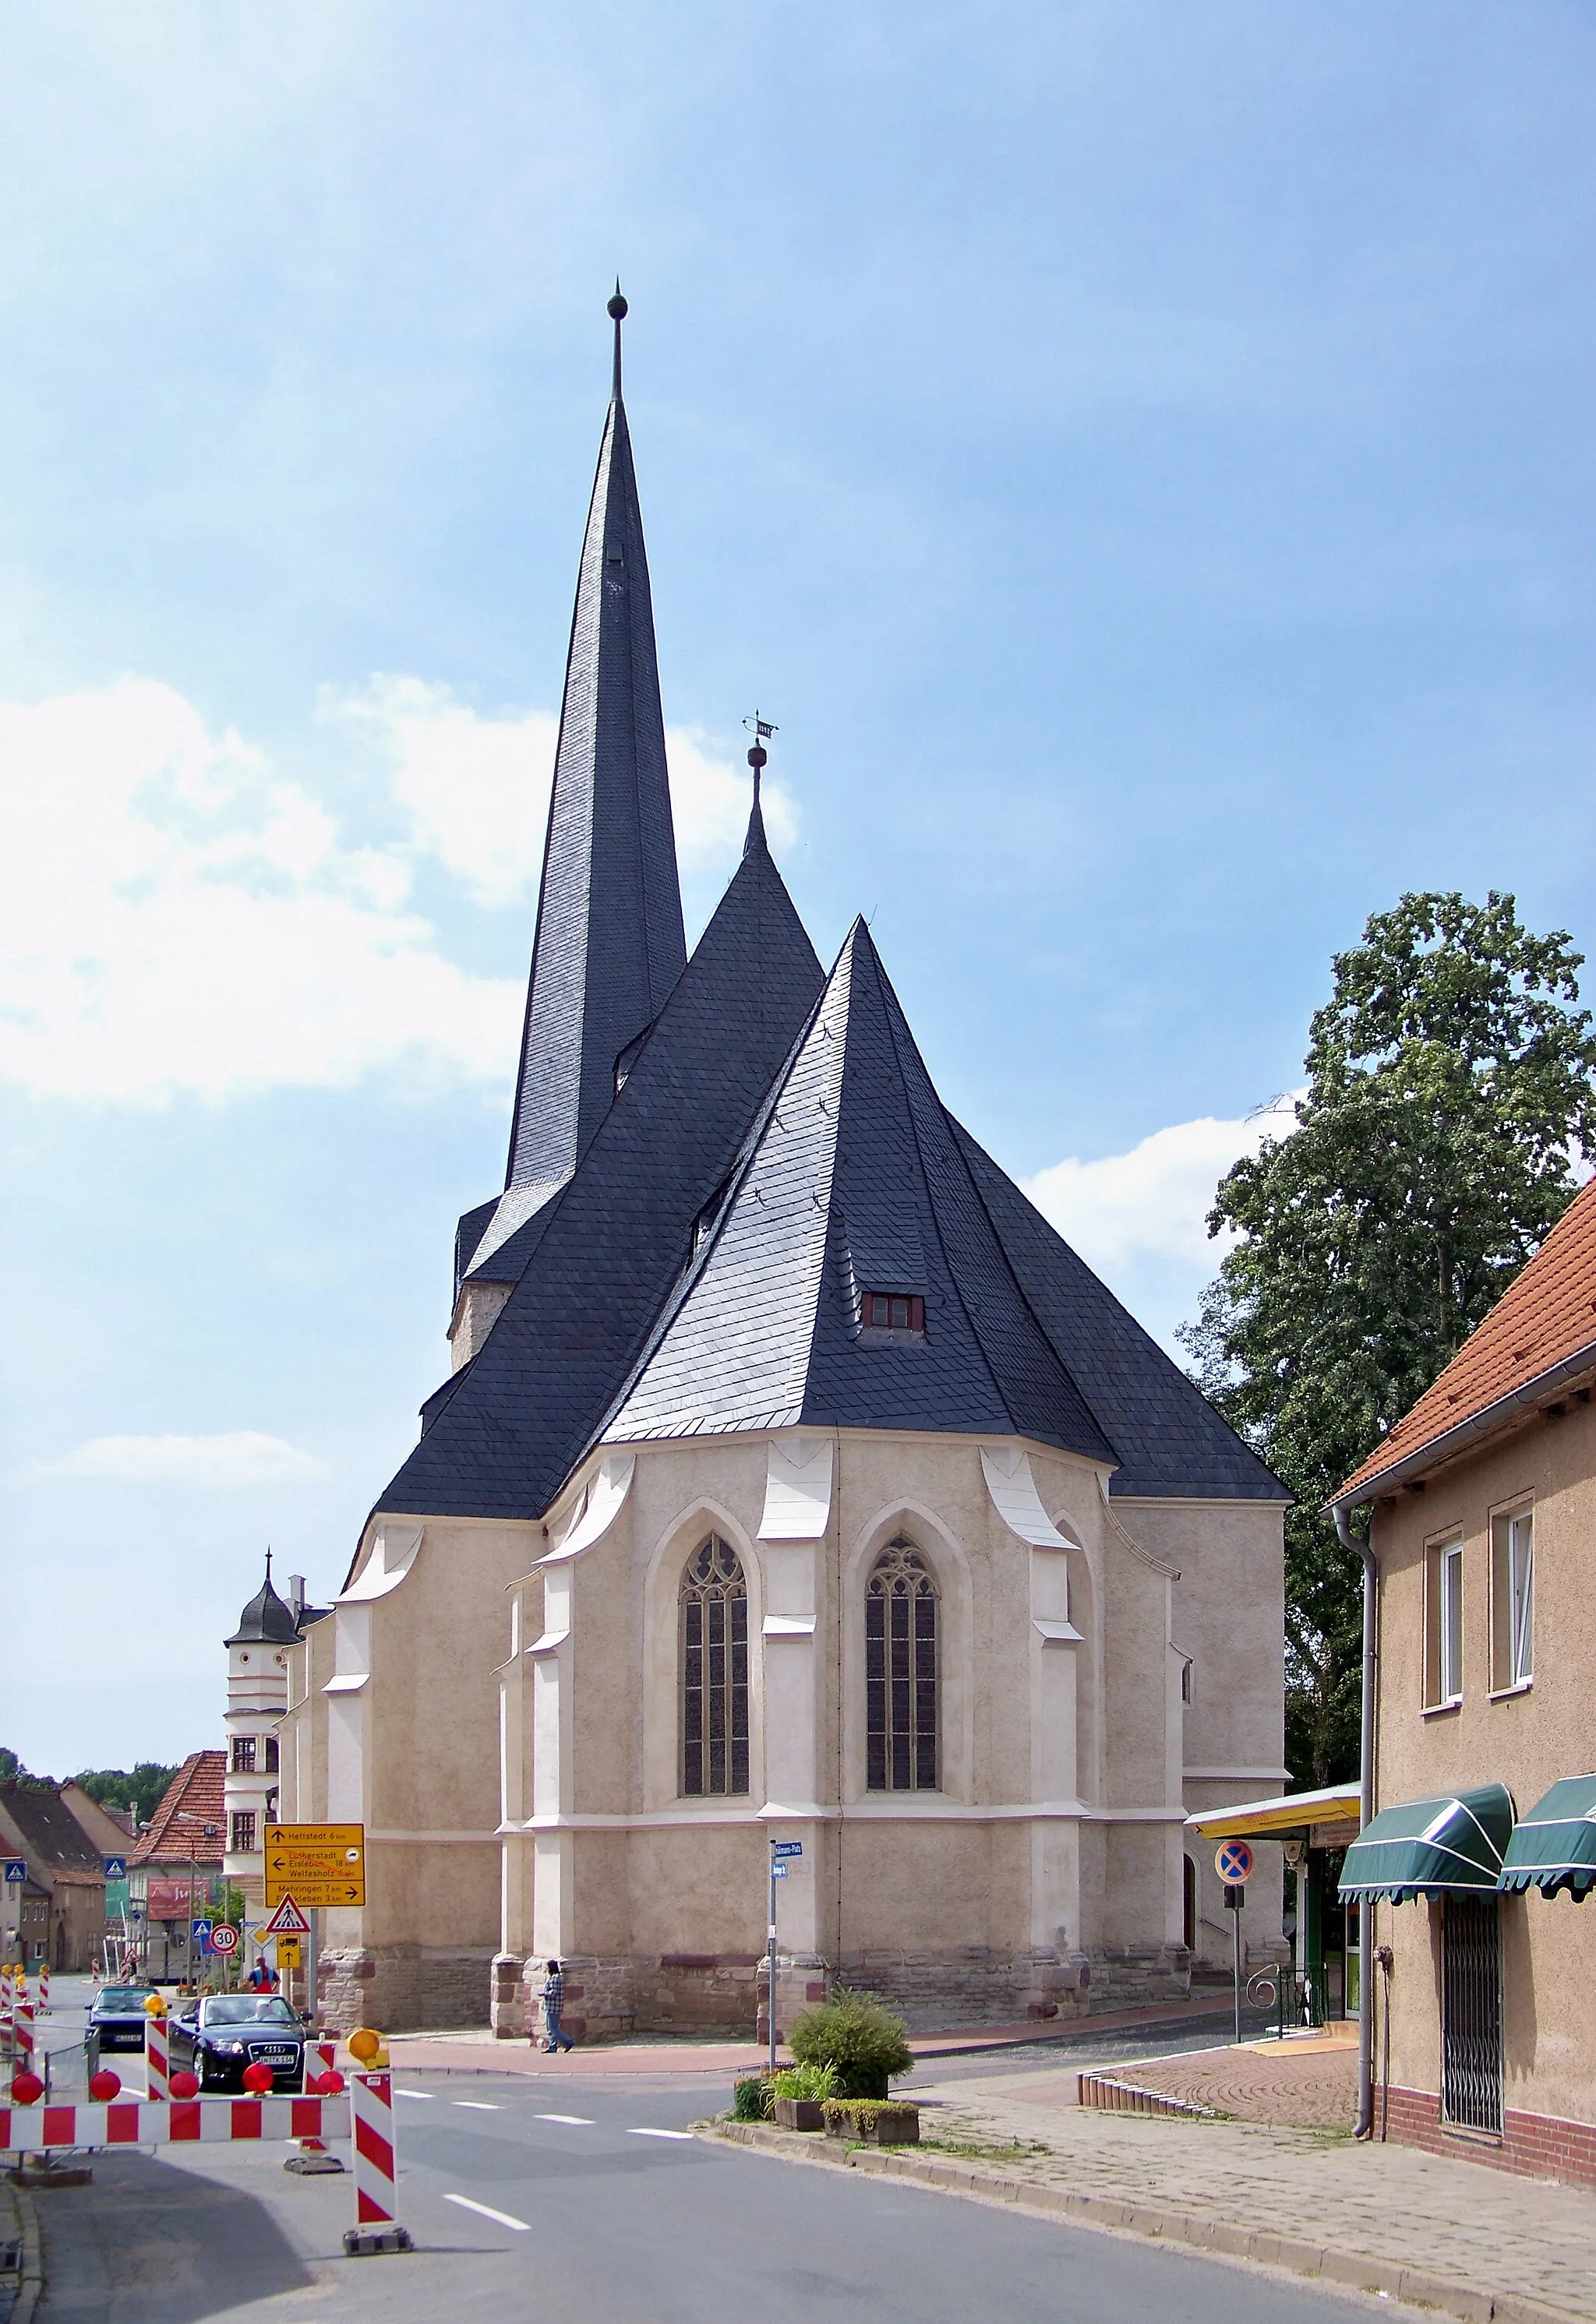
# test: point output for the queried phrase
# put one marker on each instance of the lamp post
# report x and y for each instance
(209, 1830)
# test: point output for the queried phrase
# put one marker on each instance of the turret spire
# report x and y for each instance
(761, 730)
(609, 944)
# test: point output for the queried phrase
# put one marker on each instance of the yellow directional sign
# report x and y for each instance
(322, 1866)
(288, 1952)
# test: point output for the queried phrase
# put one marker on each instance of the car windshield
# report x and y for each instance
(126, 1997)
(247, 2009)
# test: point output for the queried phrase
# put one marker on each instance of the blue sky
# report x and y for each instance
(1141, 456)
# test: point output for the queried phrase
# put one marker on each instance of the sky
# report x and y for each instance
(1140, 456)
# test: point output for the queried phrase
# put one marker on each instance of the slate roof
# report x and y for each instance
(267, 1616)
(195, 1791)
(1544, 1324)
(853, 1181)
(1170, 1441)
(594, 1267)
(609, 944)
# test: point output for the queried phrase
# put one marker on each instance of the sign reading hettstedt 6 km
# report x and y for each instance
(321, 1866)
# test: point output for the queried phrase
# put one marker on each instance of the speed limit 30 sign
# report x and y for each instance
(1232, 1860)
(224, 1938)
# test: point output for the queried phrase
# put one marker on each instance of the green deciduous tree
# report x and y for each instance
(142, 1791)
(1452, 1086)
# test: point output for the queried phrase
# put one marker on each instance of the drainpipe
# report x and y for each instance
(1365, 2123)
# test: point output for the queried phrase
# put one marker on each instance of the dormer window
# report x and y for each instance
(901, 1313)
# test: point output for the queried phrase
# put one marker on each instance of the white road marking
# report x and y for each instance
(585, 2119)
(659, 2133)
(415, 2094)
(503, 2218)
(478, 2106)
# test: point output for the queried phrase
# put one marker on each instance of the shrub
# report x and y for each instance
(751, 2099)
(860, 2036)
(816, 2082)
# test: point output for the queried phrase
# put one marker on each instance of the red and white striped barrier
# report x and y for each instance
(177, 2122)
(314, 2156)
(376, 2166)
(22, 2033)
(44, 1990)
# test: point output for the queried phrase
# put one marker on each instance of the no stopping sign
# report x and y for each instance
(1232, 1860)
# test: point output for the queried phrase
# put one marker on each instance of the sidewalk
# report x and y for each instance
(478, 2052)
(18, 2225)
(1473, 2242)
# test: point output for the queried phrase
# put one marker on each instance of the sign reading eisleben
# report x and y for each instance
(322, 1866)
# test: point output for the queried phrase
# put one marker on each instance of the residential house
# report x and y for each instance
(175, 1866)
(59, 1915)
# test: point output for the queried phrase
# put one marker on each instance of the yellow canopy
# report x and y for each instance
(1277, 1819)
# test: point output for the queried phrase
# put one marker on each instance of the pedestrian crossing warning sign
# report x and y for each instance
(288, 1921)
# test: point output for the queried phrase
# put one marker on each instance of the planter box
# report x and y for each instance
(892, 2126)
(799, 2114)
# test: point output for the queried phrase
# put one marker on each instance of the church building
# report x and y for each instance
(793, 1482)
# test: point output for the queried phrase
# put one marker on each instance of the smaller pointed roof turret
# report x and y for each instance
(758, 758)
(267, 1618)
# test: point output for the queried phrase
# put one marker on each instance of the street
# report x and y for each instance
(537, 2195)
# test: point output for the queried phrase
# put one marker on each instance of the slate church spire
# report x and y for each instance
(609, 944)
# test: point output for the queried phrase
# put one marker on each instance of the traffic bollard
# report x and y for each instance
(376, 2163)
(157, 2077)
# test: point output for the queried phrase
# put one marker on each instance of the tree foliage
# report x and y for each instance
(1451, 1085)
(143, 1791)
(860, 2036)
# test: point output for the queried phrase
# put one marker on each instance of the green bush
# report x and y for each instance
(817, 2083)
(751, 2099)
(860, 2036)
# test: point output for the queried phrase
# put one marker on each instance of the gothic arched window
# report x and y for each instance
(901, 1673)
(713, 1600)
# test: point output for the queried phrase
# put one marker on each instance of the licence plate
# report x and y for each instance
(275, 2056)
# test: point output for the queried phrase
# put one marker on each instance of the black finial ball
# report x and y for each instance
(616, 308)
(757, 756)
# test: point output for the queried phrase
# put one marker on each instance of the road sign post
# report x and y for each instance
(1233, 1862)
(782, 1852)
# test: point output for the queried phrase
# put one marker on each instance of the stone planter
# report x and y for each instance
(799, 2114)
(891, 2125)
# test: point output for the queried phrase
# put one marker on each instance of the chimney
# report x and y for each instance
(296, 1594)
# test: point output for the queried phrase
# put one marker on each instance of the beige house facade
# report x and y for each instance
(1483, 1508)
(793, 1482)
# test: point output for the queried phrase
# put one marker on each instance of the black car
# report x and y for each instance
(219, 2036)
(117, 2016)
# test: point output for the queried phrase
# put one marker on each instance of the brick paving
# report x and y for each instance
(1487, 2243)
(1310, 2086)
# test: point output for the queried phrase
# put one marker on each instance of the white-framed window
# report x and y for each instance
(1512, 1599)
(1443, 1625)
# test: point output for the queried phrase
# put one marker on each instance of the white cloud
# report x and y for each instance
(177, 914)
(243, 1457)
(477, 788)
(1152, 1204)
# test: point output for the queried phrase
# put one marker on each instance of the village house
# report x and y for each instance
(1482, 1512)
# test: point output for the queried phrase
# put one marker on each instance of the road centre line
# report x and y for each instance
(415, 2094)
(479, 2106)
(659, 2133)
(503, 2218)
(585, 2119)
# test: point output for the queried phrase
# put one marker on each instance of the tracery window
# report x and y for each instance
(901, 1673)
(714, 1602)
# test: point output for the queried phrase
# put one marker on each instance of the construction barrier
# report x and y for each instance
(44, 1988)
(157, 2075)
(377, 2168)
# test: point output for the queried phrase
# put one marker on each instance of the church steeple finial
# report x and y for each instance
(757, 758)
(616, 310)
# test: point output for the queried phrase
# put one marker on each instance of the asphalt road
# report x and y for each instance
(519, 2210)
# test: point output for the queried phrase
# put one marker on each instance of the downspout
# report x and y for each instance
(1364, 2127)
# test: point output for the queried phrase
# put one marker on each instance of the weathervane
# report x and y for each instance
(761, 730)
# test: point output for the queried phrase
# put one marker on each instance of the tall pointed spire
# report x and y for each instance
(609, 945)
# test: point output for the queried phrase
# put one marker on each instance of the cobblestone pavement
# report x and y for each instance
(1503, 2234)
(1311, 2086)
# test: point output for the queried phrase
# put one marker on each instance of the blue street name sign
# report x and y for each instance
(786, 1848)
(17, 1867)
(777, 1871)
(116, 1867)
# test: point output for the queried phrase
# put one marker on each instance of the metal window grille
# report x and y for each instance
(901, 1673)
(713, 1606)
(1472, 2014)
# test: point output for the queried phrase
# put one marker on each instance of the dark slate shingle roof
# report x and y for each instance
(854, 1180)
(1169, 1439)
(604, 1255)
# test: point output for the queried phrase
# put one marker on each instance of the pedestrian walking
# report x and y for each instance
(554, 1996)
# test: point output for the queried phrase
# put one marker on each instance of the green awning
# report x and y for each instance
(1554, 1848)
(1454, 1840)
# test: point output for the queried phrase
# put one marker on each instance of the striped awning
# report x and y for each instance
(1451, 1841)
(1554, 1848)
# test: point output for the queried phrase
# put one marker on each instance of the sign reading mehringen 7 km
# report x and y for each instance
(322, 1866)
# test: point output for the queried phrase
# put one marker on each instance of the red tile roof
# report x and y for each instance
(1542, 1323)
(196, 1794)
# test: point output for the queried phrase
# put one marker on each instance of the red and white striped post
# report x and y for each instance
(376, 2160)
(44, 1988)
(313, 2156)
(157, 2074)
(22, 2035)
